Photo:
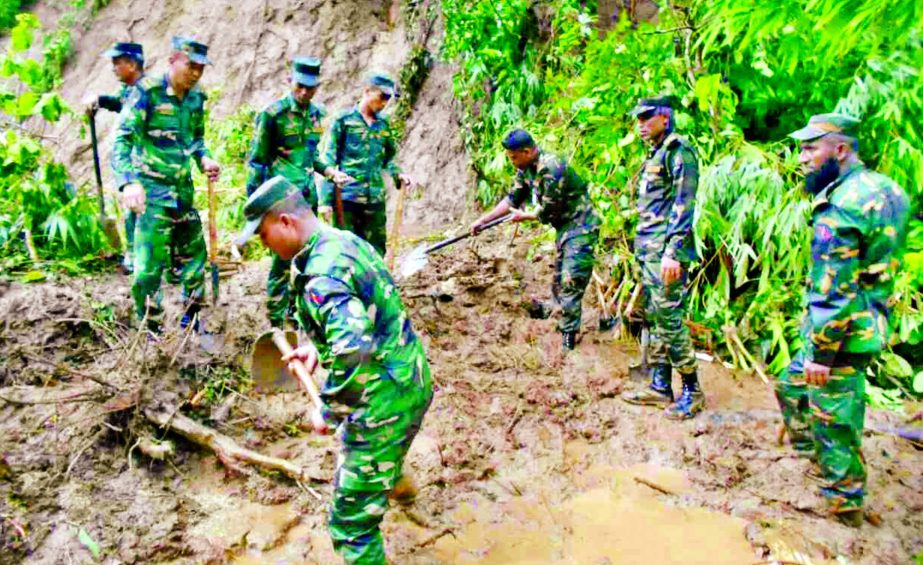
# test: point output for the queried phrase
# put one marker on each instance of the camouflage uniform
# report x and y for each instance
(362, 151)
(666, 203)
(378, 385)
(564, 203)
(860, 228)
(115, 104)
(157, 141)
(285, 143)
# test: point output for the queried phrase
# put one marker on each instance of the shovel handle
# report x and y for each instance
(467, 234)
(301, 371)
(91, 117)
(212, 222)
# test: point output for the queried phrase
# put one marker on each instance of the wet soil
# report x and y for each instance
(526, 456)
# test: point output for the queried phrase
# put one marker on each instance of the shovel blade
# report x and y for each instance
(268, 371)
(414, 262)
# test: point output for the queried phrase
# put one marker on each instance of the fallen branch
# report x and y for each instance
(227, 450)
(30, 395)
(653, 485)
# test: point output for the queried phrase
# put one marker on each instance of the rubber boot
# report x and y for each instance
(404, 491)
(690, 402)
(568, 340)
(659, 393)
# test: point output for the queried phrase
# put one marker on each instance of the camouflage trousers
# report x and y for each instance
(368, 221)
(371, 463)
(826, 423)
(131, 218)
(665, 306)
(159, 233)
(573, 268)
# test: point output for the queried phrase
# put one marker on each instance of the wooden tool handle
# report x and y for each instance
(301, 371)
(212, 223)
(396, 227)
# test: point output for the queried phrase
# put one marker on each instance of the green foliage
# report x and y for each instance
(745, 73)
(43, 218)
(228, 140)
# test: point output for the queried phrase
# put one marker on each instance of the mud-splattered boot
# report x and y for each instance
(187, 319)
(659, 393)
(404, 491)
(852, 517)
(537, 309)
(568, 340)
(690, 402)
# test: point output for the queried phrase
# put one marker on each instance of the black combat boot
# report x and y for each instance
(659, 393)
(568, 340)
(690, 402)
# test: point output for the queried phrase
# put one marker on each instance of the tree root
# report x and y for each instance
(228, 451)
(30, 395)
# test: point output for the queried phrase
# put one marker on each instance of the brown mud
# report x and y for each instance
(526, 456)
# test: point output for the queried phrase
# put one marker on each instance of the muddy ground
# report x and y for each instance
(526, 456)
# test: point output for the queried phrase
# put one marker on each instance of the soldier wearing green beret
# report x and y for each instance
(664, 251)
(362, 145)
(160, 136)
(378, 385)
(128, 67)
(563, 201)
(859, 219)
(286, 142)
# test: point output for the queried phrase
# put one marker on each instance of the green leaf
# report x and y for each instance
(896, 366)
(21, 36)
(918, 383)
(33, 276)
(89, 543)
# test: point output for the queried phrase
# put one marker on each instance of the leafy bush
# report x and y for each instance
(746, 73)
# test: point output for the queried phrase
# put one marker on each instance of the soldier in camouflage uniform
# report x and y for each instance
(664, 250)
(128, 67)
(362, 145)
(378, 385)
(551, 184)
(159, 138)
(286, 142)
(860, 219)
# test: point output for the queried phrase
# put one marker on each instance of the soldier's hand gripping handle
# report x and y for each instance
(296, 360)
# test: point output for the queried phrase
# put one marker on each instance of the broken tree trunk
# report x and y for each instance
(227, 450)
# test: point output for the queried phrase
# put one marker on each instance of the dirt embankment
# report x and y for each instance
(525, 456)
(251, 43)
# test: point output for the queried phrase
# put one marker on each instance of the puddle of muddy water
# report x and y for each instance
(617, 521)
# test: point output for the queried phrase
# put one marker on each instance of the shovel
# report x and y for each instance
(109, 225)
(419, 257)
(213, 240)
(268, 370)
(396, 227)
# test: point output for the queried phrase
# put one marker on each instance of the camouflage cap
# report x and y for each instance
(650, 104)
(124, 49)
(264, 199)
(383, 82)
(820, 125)
(197, 52)
(306, 71)
(517, 139)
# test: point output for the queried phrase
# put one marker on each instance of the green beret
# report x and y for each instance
(821, 124)
(383, 82)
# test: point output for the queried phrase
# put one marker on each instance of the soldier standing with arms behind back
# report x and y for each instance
(664, 250)
(286, 142)
(378, 385)
(128, 67)
(362, 145)
(548, 181)
(165, 129)
(860, 219)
